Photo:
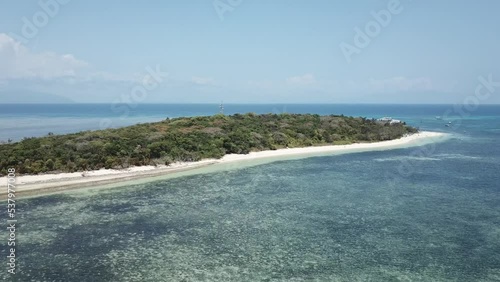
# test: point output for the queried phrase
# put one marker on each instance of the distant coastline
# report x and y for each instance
(28, 185)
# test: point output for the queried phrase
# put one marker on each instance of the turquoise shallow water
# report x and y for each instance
(428, 213)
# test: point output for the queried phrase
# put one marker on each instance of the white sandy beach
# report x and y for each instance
(46, 183)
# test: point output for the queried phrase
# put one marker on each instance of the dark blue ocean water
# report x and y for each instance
(428, 213)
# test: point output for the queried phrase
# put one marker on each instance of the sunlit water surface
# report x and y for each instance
(397, 215)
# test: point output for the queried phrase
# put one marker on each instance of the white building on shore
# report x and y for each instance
(389, 120)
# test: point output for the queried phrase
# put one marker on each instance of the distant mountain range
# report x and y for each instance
(22, 96)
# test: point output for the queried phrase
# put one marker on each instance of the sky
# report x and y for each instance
(249, 51)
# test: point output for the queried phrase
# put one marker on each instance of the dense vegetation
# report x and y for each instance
(189, 139)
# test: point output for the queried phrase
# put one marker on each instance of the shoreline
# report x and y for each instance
(33, 185)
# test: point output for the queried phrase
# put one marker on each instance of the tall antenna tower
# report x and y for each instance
(221, 108)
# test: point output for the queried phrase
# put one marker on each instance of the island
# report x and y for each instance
(89, 158)
(190, 139)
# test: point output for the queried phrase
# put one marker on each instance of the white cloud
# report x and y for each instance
(401, 83)
(18, 62)
(267, 84)
(203, 80)
(98, 76)
(306, 79)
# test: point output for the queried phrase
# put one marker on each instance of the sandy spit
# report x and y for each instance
(50, 183)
